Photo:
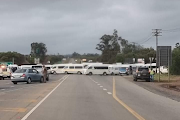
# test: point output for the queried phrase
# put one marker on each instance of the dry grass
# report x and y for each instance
(164, 78)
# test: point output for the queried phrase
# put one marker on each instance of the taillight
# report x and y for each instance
(23, 75)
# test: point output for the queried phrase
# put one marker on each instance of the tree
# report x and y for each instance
(175, 69)
(109, 47)
(38, 50)
(9, 56)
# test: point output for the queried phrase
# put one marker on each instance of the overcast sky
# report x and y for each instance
(66, 26)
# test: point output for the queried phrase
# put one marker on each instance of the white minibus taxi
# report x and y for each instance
(114, 69)
(73, 68)
(97, 70)
(57, 68)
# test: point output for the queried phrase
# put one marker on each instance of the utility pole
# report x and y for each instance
(156, 33)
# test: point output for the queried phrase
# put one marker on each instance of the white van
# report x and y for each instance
(73, 68)
(85, 64)
(58, 68)
(124, 69)
(97, 70)
(114, 69)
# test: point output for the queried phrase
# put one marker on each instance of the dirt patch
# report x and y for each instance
(171, 87)
(170, 90)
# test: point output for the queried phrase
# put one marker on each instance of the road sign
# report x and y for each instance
(36, 60)
(164, 55)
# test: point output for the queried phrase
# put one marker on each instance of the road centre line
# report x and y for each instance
(123, 104)
(32, 110)
(101, 86)
(104, 89)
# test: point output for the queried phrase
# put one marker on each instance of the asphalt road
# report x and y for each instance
(17, 100)
(81, 97)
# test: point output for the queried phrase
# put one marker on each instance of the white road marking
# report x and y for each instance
(104, 89)
(101, 86)
(12, 86)
(98, 84)
(30, 112)
(2, 89)
(109, 93)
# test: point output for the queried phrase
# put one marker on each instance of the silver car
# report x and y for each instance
(26, 75)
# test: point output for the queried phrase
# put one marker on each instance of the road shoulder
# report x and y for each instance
(156, 88)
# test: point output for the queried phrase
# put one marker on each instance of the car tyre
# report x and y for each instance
(29, 81)
(14, 82)
(90, 73)
(79, 73)
(135, 79)
(66, 72)
(104, 73)
(147, 80)
(42, 79)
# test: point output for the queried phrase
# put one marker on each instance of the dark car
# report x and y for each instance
(26, 75)
(141, 73)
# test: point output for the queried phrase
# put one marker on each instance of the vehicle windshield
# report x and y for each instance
(37, 67)
(20, 71)
(142, 69)
(122, 68)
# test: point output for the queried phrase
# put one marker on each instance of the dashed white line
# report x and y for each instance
(12, 86)
(109, 93)
(2, 89)
(104, 89)
(101, 86)
(98, 84)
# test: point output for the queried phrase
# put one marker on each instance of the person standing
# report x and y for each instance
(152, 75)
(44, 73)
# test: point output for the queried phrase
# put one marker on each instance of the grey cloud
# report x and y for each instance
(76, 25)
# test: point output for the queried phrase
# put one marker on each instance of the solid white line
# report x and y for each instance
(104, 89)
(30, 112)
(109, 93)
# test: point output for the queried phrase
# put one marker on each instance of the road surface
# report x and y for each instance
(81, 97)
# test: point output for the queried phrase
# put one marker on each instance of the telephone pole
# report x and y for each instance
(156, 33)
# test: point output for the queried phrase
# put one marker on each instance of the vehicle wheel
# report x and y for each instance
(90, 73)
(104, 73)
(135, 79)
(14, 82)
(54, 73)
(42, 79)
(112, 73)
(29, 81)
(78, 72)
(66, 72)
(147, 80)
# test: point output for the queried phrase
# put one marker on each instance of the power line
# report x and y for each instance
(146, 40)
(139, 41)
(172, 30)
